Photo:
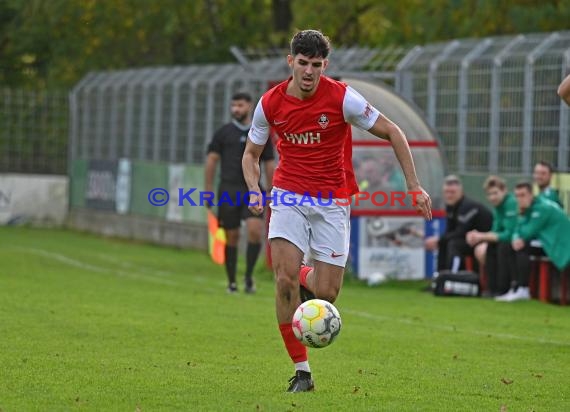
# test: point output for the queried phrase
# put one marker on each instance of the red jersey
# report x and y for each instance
(315, 137)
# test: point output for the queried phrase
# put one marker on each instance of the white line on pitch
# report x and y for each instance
(93, 268)
(448, 328)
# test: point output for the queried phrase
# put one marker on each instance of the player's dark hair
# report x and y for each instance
(494, 181)
(524, 185)
(242, 96)
(310, 43)
(547, 165)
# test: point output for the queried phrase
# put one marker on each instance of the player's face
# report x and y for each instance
(306, 72)
(524, 198)
(452, 193)
(240, 110)
(541, 176)
(495, 196)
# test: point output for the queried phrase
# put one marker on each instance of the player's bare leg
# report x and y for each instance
(232, 239)
(254, 228)
(325, 280)
(286, 259)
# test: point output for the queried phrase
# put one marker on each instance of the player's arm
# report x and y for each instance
(384, 128)
(256, 139)
(252, 174)
(360, 113)
(564, 90)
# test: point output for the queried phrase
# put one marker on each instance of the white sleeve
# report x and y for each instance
(357, 111)
(259, 131)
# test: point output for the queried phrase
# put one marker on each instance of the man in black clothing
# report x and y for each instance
(228, 146)
(463, 215)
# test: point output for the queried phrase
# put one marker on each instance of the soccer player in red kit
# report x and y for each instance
(312, 115)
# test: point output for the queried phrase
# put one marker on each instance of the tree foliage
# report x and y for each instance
(53, 43)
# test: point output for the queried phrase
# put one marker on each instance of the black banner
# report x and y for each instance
(101, 187)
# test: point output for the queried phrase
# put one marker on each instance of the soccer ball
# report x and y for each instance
(316, 323)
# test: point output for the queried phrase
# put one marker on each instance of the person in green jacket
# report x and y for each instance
(542, 176)
(506, 269)
(542, 219)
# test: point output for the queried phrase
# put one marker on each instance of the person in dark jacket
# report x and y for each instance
(463, 215)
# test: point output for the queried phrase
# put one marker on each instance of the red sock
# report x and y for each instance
(296, 350)
(303, 275)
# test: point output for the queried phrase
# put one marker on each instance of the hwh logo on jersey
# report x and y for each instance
(303, 138)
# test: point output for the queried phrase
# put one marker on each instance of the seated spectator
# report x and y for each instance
(544, 220)
(564, 90)
(506, 269)
(463, 215)
(542, 176)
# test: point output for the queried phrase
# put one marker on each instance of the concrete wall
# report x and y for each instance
(36, 199)
(142, 228)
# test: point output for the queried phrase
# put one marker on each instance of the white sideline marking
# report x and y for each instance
(455, 329)
(199, 279)
(93, 268)
(129, 265)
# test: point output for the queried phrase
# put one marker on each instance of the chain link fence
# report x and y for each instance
(493, 101)
(34, 131)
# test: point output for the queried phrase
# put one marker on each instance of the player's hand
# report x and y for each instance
(431, 243)
(517, 244)
(422, 202)
(255, 202)
(472, 237)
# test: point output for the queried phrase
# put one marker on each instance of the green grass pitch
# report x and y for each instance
(96, 324)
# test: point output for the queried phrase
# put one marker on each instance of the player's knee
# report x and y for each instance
(329, 293)
(254, 237)
(481, 253)
(285, 281)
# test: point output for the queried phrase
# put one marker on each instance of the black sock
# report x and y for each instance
(231, 263)
(251, 255)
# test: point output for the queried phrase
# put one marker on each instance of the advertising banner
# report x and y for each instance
(101, 188)
(123, 195)
(391, 246)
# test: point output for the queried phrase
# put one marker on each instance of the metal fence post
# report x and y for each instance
(563, 142)
(121, 80)
(463, 99)
(495, 120)
(158, 126)
(100, 131)
(146, 84)
(432, 82)
(74, 120)
(184, 78)
(219, 76)
(132, 83)
(528, 126)
(404, 85)
(191, 136)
